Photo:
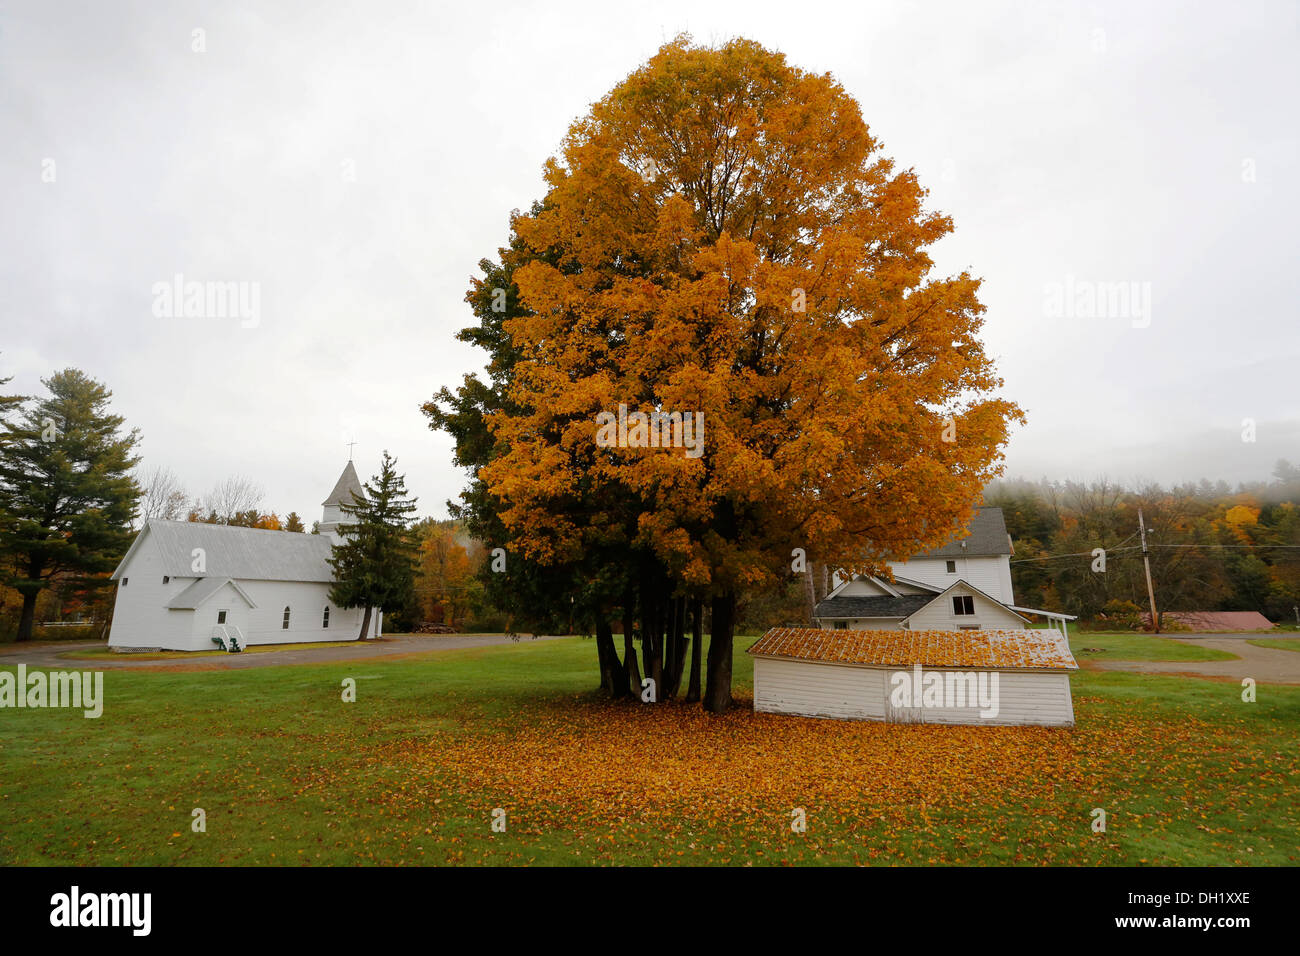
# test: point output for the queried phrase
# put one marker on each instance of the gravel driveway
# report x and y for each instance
(45, 655)
(1262, 663)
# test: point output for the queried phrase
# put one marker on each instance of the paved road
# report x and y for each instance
(46, 655)
(1262, 663)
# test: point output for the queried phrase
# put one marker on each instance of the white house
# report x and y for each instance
(949, 677)
(964, 585)
(183, 584)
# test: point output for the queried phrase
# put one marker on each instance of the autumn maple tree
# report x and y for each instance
(720, 235)
(445, 585)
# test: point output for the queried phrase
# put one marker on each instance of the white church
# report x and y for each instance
(189, 586)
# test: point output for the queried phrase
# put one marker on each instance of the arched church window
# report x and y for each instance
(285, 626)
(326, 621)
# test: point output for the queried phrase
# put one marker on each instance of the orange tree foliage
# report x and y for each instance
(444, 574)
(721, 235)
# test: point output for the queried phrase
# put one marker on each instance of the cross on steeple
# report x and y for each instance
(350, 444)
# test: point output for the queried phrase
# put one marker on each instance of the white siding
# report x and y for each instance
(141, 617)
(1004, 577)
(815, 689)
(859, 692)
(992, 575)
(1024, 697)
(140, 614)
(264, 624)
(938, 615)
(205, 617)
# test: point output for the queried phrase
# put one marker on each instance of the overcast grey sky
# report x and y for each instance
(357, 160)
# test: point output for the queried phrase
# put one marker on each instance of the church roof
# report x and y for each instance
(202, 589)
(348, 482)
(243, 554)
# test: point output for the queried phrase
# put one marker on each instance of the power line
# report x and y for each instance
(1249, 546)
(1075, 554)
(1110, 551)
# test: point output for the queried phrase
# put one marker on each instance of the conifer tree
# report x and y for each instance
(67, 496)
(374, 566)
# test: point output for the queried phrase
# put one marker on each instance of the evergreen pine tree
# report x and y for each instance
(66, 492)
(374, 566)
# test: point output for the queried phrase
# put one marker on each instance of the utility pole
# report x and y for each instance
(1146, 562)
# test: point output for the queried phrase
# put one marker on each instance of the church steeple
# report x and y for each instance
(342, 494)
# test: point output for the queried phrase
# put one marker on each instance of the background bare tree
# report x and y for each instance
(164, 496)
(231, 499)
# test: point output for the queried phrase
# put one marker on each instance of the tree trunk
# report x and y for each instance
(612, 678)
(697, 640)
(365, 624)
(810, 589)
(649, 628)
(670, 648)
(28, 617)
(679, 647)
(717, 692)
(652, 618)
(602, 659)
(631, 675)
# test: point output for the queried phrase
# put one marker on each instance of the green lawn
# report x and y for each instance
(1114, 646)
(1277, 643)
(288, 773)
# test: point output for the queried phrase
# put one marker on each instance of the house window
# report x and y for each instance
(284, 626)
(221, 617)
(969, 627)
(326, 621)
(841, 625)
(124, 580)
(963, 604)
(952, 567)
(166, 579)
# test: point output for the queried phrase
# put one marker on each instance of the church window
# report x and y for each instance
(221, 617)
(326, 621)
(284, 626)
(166, 579)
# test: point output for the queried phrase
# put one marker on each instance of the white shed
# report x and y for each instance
(1007, 677)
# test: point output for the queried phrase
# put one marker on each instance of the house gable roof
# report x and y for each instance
(238, 553)
(898, 578)
(988, 537)
(961, 583)
(846, 607)
(842, 607)
(991, 650)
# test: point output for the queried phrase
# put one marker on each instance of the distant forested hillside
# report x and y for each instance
(1212, 547)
